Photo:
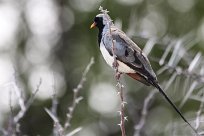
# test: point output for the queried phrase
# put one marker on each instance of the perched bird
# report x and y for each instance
(130, 58)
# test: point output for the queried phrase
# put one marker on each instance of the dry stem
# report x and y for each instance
(59, 130)
(76, 98)
(117, 77)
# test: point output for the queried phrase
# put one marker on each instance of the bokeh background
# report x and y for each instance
(51, 40)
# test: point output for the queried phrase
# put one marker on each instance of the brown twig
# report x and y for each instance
(122, 109)
(120, 93)
(117, 76)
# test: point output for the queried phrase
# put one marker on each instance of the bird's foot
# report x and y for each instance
(115, 64)
(117, 75)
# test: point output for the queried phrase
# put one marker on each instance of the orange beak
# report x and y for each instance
(93, 25)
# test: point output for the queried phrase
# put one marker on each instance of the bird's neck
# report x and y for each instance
(100, 36)
(102, 30)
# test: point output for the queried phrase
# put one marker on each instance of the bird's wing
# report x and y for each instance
(130, 54)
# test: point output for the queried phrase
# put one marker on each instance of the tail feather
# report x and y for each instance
(173, 105)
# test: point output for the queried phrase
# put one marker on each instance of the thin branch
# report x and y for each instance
(195, 62)
(76, 97)
(57, 124)
(188, 94)
(19, 93)
(28, 104)
(11, 125)
(199, 113)
(74, 131)
(166, 52)
(183, 72)
(57, 127)
(3, 132)
(54, 98)
(142, 121)
(149, 46)
(117, 75)
(122, 107)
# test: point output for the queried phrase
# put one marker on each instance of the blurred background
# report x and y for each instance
(50, 40)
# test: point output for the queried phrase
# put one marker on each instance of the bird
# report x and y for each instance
(130, 59)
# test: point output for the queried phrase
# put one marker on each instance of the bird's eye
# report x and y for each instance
(96, 19)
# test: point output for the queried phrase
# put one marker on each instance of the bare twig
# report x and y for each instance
(117, 75)
(199, 113)
(183, 72)
(76, 98)
(3, 132)
(54, 98)
(57, 127)
(122, 107)
(142, 121)
(13, 124)
(27, 105)
(149, 45)
(74, 131)
(57, 124)
(18, 92)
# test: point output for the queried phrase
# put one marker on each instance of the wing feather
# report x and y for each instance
(130, 54)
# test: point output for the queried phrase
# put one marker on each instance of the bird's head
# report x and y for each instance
(100, 21)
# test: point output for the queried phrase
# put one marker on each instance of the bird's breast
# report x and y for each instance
(122, 67)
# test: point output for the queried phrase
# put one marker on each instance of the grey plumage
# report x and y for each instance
(128, 52)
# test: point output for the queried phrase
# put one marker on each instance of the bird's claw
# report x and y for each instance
(117, 75)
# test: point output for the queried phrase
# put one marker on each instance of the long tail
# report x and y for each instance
(174, 106)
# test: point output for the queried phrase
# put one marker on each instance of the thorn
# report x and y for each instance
(80, 86)
(119, 112)
(123, 103)
(69, 116)
(179, 70)
(100, 8)
(75, 90)
(126, 118)
(84, 79)
(78, 99)
(106, 11)
(122, 86)
(55, 124)
(118, 93)
(67, 125)
(70, 109)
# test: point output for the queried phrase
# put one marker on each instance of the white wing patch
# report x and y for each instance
(122, 67)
